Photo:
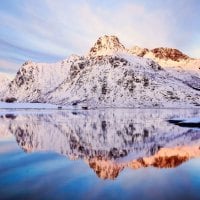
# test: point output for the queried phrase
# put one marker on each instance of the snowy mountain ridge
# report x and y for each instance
(111, 76)
(168, 57)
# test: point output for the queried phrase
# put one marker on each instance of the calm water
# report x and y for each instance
(105, 154)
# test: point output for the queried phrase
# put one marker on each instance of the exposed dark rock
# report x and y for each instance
(10, 100)
(169, 53)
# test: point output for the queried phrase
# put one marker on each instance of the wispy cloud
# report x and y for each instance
(51, 30)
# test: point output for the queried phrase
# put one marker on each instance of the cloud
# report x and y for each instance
(132, 23)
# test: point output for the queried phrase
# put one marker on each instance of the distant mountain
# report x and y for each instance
(112, 76)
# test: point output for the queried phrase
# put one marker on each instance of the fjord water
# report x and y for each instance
(99, 154)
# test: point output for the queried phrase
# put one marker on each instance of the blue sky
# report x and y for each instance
(51, 30)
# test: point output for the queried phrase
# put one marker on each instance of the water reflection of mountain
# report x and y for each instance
(108, 140)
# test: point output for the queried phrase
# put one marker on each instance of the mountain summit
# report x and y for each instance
(169, 53)
(162, 53)
(106, 45)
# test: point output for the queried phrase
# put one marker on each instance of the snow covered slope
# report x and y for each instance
(34, 80)
(109, 76)
(174, 61)
(122, 80)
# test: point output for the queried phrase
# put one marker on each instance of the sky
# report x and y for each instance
(51, 30)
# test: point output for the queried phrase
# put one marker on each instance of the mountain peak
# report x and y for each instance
(139, 51)
(162, 53)
(106, 45)
(169, 53)
(27, 63)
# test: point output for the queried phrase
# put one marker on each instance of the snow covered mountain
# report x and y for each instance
(35, 79)
(112, 76)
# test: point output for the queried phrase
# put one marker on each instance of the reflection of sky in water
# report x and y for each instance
(46, 175)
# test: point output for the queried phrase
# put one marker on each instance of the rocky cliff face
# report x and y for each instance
(106, 45)
(170, 59)
(161, 53)
(111, 76)
(169, 54)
